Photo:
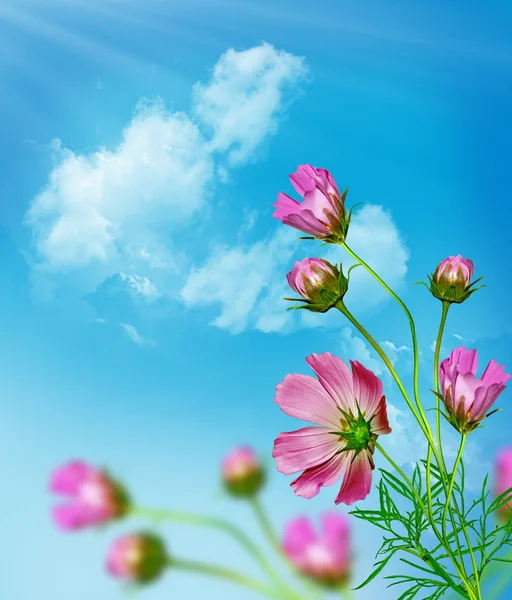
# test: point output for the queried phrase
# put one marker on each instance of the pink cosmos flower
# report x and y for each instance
(93, 497)
(350, 409)
(242, 472)
(322, 212)
(324, 556)
(451, 281)
(504, 479)
(467, 399)
(136, 557)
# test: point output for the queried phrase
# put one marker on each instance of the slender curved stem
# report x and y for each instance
(265, 524)
(444, 314)
(214, 523)
(448, 508)
(412, 327)
(230, 575)
(344, 310)
(452, 482)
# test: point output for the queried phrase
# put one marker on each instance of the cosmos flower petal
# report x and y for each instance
(298, 535)
(357, 481)
(303, 397)
(68, 478)
(285, 206)
(494, 374)
(309, 483)
(380, 423)
(336, 378)
(303, 449)
(367, 389)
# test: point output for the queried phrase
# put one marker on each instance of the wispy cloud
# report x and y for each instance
(135, 336)
(248, 282)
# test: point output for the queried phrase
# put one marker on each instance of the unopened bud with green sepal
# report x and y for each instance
(319, 284)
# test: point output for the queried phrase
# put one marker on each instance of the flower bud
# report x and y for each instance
(94, 498)
(242, 473)
(451, 281)
(468, 399)
(137, 557)
(324, 556)
(319, 284)
(322, 213)
(504, 481)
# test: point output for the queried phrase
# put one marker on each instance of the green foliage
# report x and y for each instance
(403, 514)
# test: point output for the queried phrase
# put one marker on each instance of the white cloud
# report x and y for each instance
(245, 97)
(249, 283)
(405, 443)
(135, 336)
(242, 281)
(114, 210)
(140, 285)
(355, 348)
(394, 352)
(375, 238)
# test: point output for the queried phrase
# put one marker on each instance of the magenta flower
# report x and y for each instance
(325, 556)
(319, 284)
(451, 281)
(322, 213)
(139, 557)
(504, 480)
(466, 398)
(242, 472)
(94, 498)
(351, 412)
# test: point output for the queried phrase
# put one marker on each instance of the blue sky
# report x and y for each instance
(142, 146)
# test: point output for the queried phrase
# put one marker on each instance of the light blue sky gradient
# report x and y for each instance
(409, 104)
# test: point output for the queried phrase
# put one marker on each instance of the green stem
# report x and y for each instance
(412, 327)
(452, 482)
(214, 523)
(442, 464)
(446, 306)
(230, 575)
(439, 457)
(265, 524)
(344, 310)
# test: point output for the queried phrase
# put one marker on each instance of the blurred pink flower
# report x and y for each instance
(351, 411)
(466, 398)
(137, 557)
(94, 498)
(242, 472)
(504, 479)
(324, 556)
(322, 213)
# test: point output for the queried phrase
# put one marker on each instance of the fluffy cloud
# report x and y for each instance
(114, 210)
(242, 280)
(243, 101)
(248, 282)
